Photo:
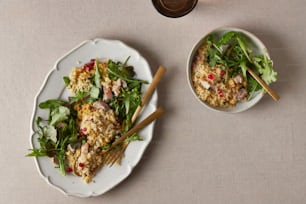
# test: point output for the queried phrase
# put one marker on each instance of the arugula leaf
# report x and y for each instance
(226, 38)
(72, 129)
(264, 67)
(51, 104)
(61, 161)
(243, 68)
(118, 70)
(66, 80)
(252, 87)
(134, 137)
(126, 103)
(37, 153)
(78, 97)
(38, 121)
(244, 48)
(97, 75)
(127, 70)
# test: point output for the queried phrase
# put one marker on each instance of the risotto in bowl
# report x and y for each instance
(217, 70)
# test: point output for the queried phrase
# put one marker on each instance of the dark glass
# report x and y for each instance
(174, 8)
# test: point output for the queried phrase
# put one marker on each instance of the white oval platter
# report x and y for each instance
(54, 87)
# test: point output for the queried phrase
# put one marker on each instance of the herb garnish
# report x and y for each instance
(232, 54)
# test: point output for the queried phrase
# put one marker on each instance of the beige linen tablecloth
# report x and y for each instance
(196, 156)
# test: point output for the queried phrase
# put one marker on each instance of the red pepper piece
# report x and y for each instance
(89, 66)
(69, 170)
(210, 76)
(220, 93)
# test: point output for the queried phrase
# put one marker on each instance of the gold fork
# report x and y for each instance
(116, 153)
(118, 147)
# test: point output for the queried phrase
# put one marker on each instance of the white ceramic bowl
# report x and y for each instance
(253, 43)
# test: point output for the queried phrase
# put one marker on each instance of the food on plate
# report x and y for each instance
(105, 94)
(219, 70)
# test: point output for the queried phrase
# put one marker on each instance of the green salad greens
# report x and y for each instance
(56, 132)
(232, 53)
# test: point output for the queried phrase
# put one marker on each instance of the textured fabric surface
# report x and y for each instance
(196, 156)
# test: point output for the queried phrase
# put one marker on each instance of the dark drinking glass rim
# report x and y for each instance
(170, 14)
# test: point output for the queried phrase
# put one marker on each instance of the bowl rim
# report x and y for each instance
(255, 40)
